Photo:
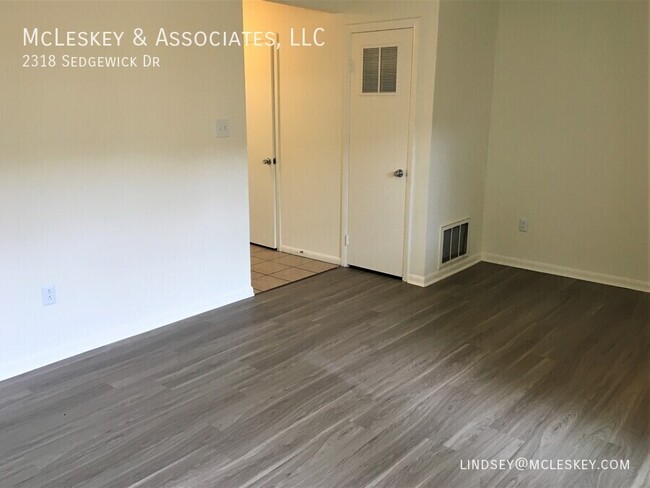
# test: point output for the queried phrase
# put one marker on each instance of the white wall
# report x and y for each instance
(461, 123)
(568, 141)
(311, 101)
(113, 186)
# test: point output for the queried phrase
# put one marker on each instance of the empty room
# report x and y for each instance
(325, 243)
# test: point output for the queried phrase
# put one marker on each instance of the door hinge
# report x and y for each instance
(347, 240)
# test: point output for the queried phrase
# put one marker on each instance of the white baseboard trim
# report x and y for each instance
(443, 273)
(568, 272)
(107, 335)
(415, 279)
(311, 255)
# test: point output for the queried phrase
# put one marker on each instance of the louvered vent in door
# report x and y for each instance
(371, 70)
(454, 241)
(379, 70)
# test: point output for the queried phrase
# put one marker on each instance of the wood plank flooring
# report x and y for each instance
(350, 379)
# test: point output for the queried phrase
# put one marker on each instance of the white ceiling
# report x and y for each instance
(333, 6)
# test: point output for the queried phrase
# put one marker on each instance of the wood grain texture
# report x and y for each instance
(350, 379)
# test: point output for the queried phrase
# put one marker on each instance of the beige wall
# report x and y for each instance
(461, 123)
(568, 140)
(113, 185)
(311, 103)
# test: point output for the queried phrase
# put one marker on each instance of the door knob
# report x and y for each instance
(398, 173)
(267, 161)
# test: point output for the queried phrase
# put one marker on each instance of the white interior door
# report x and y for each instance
(260, 64)
(380, 95)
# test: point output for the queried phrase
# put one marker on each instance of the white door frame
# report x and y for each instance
(345, 177)
(275, 66)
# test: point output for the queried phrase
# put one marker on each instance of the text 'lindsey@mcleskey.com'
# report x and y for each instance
(525, 464)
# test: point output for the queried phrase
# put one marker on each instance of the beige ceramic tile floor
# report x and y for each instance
(270, 269)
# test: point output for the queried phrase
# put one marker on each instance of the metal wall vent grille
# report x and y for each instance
(454, 241)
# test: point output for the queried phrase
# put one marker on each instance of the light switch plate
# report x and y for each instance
(523, 225)
(223, 127)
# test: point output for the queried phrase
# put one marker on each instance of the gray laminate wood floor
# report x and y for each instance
(350, 379)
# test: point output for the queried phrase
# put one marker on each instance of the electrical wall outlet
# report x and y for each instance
(48, 294)
(523, 225)
(223, 127)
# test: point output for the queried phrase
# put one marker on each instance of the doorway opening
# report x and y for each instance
(279, 258)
